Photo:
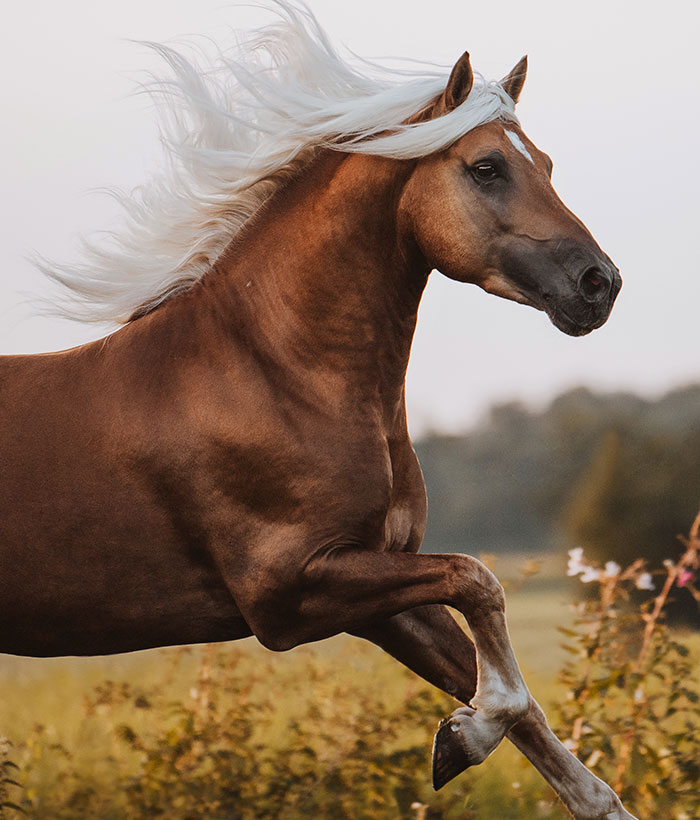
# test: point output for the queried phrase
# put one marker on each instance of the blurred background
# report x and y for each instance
(531, 442)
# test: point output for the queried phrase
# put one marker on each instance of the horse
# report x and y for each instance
(235, 459)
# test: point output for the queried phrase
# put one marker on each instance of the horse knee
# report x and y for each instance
(477, 590)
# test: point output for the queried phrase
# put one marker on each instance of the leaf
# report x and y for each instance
(8, 804)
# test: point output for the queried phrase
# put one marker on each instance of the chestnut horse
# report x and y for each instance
(235, 460)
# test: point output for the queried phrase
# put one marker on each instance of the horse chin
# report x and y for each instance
(567, 325)
(500, 286)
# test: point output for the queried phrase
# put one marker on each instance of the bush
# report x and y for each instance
(632, 705)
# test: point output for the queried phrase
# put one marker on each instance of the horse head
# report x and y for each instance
(484, 211)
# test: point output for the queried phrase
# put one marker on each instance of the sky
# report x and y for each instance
(611, 95)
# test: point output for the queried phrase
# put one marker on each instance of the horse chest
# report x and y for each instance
(405, 520)
(400, 526)
(330, 490)
(378, 493)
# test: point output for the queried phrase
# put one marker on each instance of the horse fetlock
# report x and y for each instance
(507, 710)
(502, 693)
(477, 732)
(466, 738)
(618, 813)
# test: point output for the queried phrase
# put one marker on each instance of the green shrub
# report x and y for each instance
(631, 710)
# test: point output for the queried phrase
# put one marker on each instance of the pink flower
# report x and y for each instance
(684, 576)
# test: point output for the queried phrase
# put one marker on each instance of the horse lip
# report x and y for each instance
(545, 274)
(549, 303)
(571, 326)
(560, 318)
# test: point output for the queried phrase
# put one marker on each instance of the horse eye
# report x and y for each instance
(485, 171)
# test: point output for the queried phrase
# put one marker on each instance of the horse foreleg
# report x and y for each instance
(586, 796)
(430, 642)
(346, 588)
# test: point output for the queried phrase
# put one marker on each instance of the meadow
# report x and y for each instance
(340, 730)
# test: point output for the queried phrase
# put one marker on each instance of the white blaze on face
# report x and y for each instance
(519, 144)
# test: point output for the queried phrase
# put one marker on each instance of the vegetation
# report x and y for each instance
(632, 704)
(342, 731)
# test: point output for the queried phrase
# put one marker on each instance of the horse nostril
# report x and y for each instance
(594, 284)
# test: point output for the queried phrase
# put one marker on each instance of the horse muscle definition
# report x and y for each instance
(235, 459)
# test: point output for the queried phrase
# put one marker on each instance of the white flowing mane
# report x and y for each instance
(233, 134)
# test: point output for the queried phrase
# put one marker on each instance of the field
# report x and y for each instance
(333, 730)
(56, 687)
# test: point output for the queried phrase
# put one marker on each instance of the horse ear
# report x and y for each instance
(458, 86)
(513, 83)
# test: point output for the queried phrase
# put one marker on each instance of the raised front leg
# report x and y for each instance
(430, 642)
(348, 588)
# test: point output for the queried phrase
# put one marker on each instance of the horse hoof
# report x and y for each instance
(451, 755)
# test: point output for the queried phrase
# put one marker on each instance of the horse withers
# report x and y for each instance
(235, 460)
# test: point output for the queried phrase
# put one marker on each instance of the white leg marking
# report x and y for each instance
(501, 698)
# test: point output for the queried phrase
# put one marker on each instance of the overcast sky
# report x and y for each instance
(612, 96)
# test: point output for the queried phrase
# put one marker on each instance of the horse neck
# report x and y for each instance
(323, 282)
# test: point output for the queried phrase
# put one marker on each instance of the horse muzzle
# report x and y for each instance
(573, 282)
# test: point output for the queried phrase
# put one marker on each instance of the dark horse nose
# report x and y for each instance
(596, 283)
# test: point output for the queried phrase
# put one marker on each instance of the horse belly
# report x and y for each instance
(85, 592)
(97, 584)
(91, 561)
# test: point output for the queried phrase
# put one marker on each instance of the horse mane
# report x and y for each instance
(235, 132)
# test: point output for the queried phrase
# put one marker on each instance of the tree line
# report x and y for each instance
(614, 473)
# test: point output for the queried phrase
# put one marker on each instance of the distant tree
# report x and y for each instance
(588, 518)
(614, 473)
(639, 491)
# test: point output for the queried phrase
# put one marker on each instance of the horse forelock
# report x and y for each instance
(234, 133)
